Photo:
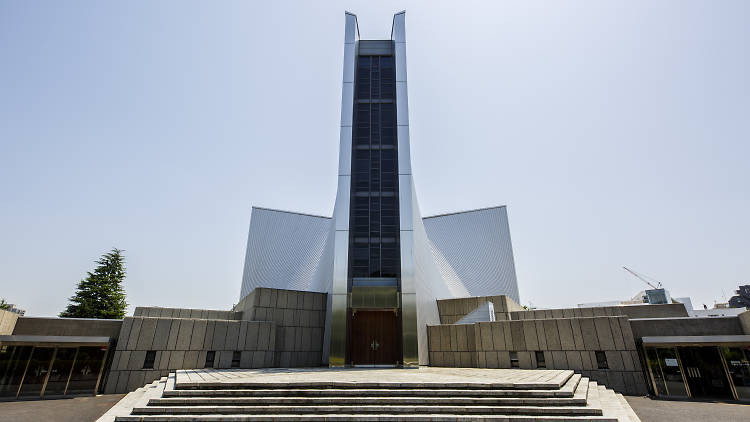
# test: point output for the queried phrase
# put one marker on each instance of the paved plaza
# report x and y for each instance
(374, 377)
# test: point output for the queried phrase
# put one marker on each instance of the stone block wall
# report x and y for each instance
(7, 322)
(687, 326)
(186, 313)
(299, 318)
(566, 343)
(53, 326)
(672, 310)
(452, 310)
(183, 343)
(453, 345)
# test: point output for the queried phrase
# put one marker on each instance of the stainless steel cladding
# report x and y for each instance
(287, 250)
(474, 252)
(336, 317)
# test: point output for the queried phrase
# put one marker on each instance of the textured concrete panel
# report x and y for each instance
(136, 359)
(529, 331)
(541, 336)
(232, 337)
(525, 361)
(590, 339)
(574, 359)
(198, 338)
(604, 333)
(164, 357)
(627, 360)
(445, 337)
(614, 324)
(516, 330)
(161, 336)
(127, 325)
(225, 359)
(177, 359)
(174, 331)
(577, 334)
(566, 334)
(256, 338)
(614, 360)
(135, 380)
(208, 340)
(184, 334)
(627, 333)
(220, 335)
(551, 334)
(135, 332)
(560, 359)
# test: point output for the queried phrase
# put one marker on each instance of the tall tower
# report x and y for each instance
(373, 315)
(382, 265)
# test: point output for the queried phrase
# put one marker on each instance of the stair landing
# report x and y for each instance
(328, 394)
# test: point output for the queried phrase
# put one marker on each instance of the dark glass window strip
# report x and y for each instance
(374, 231)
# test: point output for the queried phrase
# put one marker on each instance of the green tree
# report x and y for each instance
(3, 304)
(100, 294)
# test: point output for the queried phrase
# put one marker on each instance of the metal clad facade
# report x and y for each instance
(288, 251)
(474, 252)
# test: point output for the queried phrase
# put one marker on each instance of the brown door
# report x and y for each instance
(374, 338)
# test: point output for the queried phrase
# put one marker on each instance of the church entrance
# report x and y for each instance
(374, 338)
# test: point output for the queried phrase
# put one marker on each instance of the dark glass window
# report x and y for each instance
(514, 359)
(210, 356)
(540, 363)
(374, 232)
(148, 363)
(236, 355)
(86, 370)
(601, 360)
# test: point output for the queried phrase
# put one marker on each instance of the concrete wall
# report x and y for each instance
(688, 326)
(451, 310)
(40, 326)
(672, 310)
(744, 319)
(299, 318)
(155, 311)
(567, 343)
(7, 322)
(182, 343)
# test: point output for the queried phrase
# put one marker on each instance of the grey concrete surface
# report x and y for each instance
(687, 326)
(650, 410)
(43, 326)
(77, 409)
(7, 322)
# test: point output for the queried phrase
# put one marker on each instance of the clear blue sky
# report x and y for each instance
(616, 132)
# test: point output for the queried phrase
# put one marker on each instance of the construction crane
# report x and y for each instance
(644, 278)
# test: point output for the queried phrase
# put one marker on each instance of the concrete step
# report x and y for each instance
(366, 392)
(558, 382)
(386, 409)
(359, 417)
(139, 397)
(567, 390)
(388, 400)
(632, 416)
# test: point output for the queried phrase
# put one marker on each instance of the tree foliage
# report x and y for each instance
(100, 294)
(3, 304)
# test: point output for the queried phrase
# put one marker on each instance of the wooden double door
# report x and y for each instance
(374, 338)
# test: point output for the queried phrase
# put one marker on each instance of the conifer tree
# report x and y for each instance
(100, 294)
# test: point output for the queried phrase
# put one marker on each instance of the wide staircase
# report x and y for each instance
(573, 398)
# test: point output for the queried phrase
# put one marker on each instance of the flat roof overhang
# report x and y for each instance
(729, 340)
(51, 341)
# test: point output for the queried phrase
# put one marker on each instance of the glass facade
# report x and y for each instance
(374, 230)
(707, 372)
(39, 371)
